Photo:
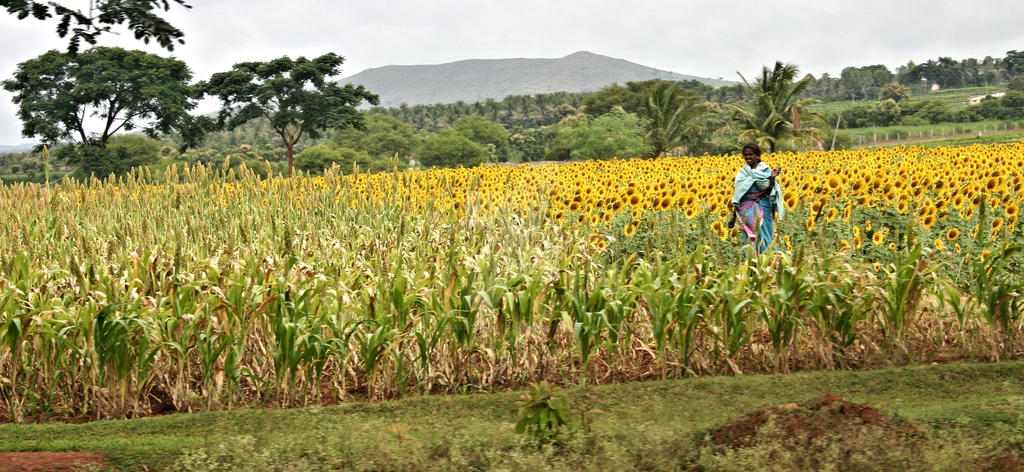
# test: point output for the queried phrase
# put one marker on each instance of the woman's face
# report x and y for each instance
(751, 158)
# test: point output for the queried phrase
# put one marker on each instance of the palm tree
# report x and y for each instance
(673, 117)
(778, 110)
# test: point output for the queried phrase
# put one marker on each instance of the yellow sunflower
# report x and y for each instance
(997, 224)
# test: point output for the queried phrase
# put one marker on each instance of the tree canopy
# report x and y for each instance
(482, 131)
(775, 115)
(672, 117)
(449, 148)
(613, 134)
(60, 97)
(383, 137)
(141, 15)
(296, 96)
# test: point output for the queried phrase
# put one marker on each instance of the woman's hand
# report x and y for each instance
(776, 172)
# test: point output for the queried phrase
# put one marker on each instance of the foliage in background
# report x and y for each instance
(143, 22)
(774, 119)
(296, 96)
(613, 134)
(672, 118)
(59, 96)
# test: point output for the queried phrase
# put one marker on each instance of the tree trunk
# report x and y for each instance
(291, 161)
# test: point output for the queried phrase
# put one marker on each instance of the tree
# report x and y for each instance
(887, 113)
(614, 134)
(894, 91)
(863, 82)
(449, 148)
(1016, 84)
(1014, 63)
(531, 144)
(632, 97)
(482, 131)
(383, 136)
(777, 114)
(672, 117)
(990, 108)
(317, 158)
(57, 94)
(1013, 102)
(606, 99)
(101, 17)
(858, 116)
(934, 111)
(945, 72)
(294, 95)
(121, 154)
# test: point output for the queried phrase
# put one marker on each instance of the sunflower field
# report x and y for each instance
(209, 288)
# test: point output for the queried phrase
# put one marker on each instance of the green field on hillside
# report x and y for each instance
(956, 134)
(955, 98)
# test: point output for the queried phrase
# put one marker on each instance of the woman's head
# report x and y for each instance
(752, 154)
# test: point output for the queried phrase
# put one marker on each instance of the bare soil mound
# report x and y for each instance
(833, 431)
(50, 461)
(829, 417)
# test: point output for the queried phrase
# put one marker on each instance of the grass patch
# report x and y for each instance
(969, 414)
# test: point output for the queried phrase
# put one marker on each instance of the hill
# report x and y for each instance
(479, 79)
(6, 149)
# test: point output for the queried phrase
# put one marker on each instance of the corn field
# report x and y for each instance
(211, 288)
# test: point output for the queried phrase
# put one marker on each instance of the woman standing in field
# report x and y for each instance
(756, 199)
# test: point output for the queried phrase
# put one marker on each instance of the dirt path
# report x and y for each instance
(49, 461)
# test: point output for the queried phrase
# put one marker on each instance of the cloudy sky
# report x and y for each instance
(704, 38)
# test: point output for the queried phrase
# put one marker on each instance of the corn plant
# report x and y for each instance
(903, 285)
(998, 289)
(784, 307)
(730, 324)
(542, 415)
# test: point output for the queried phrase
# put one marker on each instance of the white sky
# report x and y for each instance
(707, 38)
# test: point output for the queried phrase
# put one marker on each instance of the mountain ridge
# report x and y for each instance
(472, 80)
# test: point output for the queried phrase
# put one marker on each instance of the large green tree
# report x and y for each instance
(861, 83)
(483, 131)
(631, 97)
(93, 95)
(448, 148)
(296, 96)
(613, 134)
(383, 137)
(317, 158)
(777, 115)
(142, 17)
(1014, 63)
